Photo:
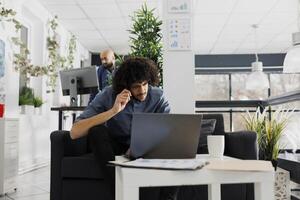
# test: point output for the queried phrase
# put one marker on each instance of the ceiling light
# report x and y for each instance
(291, 62)
(257, 79)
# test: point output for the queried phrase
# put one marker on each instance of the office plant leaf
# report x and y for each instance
(145, 37)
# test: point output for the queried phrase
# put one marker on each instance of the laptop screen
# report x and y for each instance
(165, 136)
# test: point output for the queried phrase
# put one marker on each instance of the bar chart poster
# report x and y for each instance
(179, 34)
(179, 6)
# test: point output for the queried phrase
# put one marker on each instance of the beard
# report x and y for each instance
(107, 65)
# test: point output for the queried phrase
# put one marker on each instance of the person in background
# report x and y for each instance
(107, 119)
(105, 71)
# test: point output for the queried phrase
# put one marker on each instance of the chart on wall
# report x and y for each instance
(2, 71)
(179, 34)
(179, 6)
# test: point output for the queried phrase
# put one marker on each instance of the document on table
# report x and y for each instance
(180, 164)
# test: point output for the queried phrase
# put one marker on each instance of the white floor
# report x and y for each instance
(33, 185)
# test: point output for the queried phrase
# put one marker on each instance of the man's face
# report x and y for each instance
(107, 60)
(139, 90)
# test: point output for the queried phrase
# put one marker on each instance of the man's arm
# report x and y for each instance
(81, 128)
(163, 106)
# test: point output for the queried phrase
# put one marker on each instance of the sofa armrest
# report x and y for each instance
(62, 145)
(241, 144)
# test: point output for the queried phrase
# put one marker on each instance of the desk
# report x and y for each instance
(129, 180)
(66, 108)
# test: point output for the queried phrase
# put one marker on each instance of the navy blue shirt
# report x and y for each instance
(104, 80)
(120, 124)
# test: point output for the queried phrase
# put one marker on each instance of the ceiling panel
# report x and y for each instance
(90, 42)
(129, 8)
(121, 49)
(290, 6)
(278, 18)
(224, 48)
(104, 11)
(87, 34)
(236, 29)
(66, 11)
(284, 37)
(110, 24)
(80, 24)
(113, 34)
(210, 19)
(203, 46)
(60, 2)
(114, 42)
(85, 2)
(250, 6)
(94, 45)
(245, 18)
(231, 39)
(218, 25)
(214, 6)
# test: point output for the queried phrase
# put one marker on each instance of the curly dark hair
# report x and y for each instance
(135, 70)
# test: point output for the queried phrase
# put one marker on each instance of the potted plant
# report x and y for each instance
(38, 102)
(269, 128)
(146, 36)
(26, 100)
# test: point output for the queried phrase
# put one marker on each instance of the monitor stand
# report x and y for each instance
(73, 81)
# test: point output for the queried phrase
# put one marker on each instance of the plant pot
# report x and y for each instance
(1, 110)
(27, 109)
(282, 184)
(38, 110)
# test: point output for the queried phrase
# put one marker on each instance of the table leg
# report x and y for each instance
(264, 190)
(119, 184)
(124, 192)
(73, 117)
(60, 119)
(214, 191)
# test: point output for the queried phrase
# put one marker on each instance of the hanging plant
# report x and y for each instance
(72, 49)
(21, 60)
(56, 62)
(146, 37)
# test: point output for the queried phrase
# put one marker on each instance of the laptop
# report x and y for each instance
(165, 136)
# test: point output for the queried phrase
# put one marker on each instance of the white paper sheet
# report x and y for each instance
(191, 164)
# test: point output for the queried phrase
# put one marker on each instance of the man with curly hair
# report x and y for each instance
(107, 119)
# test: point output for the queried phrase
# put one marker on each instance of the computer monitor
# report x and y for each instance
(78, 81)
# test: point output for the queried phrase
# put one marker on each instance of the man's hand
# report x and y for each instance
(121, 100)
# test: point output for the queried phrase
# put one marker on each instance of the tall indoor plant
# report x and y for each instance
(145, 37)
(269, 128)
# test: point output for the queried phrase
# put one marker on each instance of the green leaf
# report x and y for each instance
(145, 36)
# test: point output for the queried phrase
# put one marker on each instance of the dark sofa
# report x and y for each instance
(75, 174)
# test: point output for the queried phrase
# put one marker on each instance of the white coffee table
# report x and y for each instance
(129, 180)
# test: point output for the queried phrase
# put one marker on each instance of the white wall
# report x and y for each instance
(34, 139)
(178, 66)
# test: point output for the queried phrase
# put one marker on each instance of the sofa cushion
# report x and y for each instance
(84, 166)
(207, 128)
(219, 128)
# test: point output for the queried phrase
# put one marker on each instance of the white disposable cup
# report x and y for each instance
(215, 145)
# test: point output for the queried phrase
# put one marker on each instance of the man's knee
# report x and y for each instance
(99, 132)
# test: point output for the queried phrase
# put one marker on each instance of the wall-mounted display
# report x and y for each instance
(179, 34)
(179, 6)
